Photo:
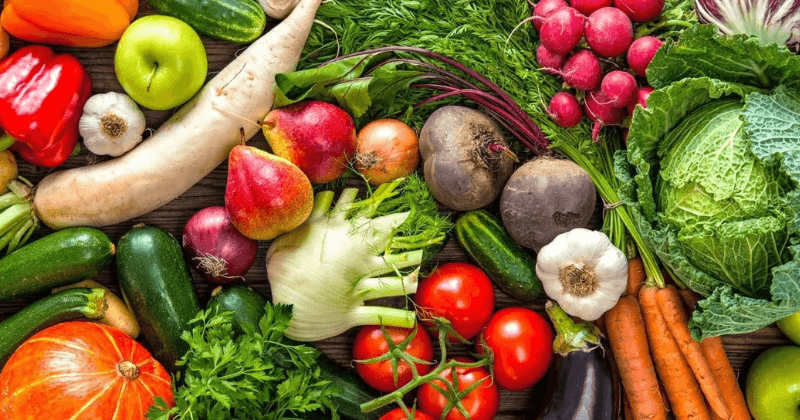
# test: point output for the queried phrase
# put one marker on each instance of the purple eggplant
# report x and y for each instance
(580, 382)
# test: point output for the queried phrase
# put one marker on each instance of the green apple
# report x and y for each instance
(791, 327)
(160, 62)
(773, 384)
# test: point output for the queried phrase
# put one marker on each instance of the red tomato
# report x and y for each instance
(481, 404)
(522, 343)
(460, 292)
(398, 414)
(371, 343)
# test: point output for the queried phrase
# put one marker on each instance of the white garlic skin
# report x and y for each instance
(111, 106)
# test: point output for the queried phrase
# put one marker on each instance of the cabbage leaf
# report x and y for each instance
(723, 214)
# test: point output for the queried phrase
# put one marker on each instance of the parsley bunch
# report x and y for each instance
(257, 375)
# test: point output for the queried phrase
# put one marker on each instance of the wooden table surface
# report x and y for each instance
(742, 349)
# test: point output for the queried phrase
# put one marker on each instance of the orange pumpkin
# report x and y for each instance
(81, 370)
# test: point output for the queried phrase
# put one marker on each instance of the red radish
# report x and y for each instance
(216, 249)
(619, 87)
(587, 7)
(582, 70)
(563, 30)
(565, 110)
(543, 9)
(598, 109)
(641, 53)
(640, 11)
(641, 99)
(609, 32)
(548, 59)
(386, 149)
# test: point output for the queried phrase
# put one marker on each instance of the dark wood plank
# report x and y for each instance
(742, 349)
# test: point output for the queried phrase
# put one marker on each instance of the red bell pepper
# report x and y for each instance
(41, 100)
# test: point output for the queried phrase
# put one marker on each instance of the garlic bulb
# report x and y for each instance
(111, 124)
(584, 272)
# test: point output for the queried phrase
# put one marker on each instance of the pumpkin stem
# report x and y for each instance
(129, 370)
(578, 280)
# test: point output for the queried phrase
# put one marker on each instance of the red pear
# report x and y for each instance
(266, 195)
(316, 136)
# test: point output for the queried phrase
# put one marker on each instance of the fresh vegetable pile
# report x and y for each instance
(427, 191)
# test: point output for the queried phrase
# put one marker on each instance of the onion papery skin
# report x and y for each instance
(216, 249)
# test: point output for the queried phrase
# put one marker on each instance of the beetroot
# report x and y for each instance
(565, 110)
(582, 70)
(640, 11)
(543, 9)
(641, 99)
(641, 53)
(587, 7)
(619, 87)
(609, 32)
(549, 60)
(562, 30)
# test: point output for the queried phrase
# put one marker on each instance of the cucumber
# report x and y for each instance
(512, 269)
(64, 257)
(237, 21)
(248, 307)
(158, 287)
(50, 310)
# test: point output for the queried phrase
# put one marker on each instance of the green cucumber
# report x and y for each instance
(248, 307)
(237, 21)
(64, 257)
(158, 287)
(483, 237)
(50, 310)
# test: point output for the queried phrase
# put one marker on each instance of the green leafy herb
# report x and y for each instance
(256, 375)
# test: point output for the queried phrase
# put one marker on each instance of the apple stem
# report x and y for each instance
(242, 136)
(153, 74)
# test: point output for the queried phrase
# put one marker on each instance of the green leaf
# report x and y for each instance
(725, 312)
(719, 214)
(700, 52)
(229, 376)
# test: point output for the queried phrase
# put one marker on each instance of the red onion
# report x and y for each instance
(216, 249)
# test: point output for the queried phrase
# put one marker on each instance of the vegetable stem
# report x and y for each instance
(380, 287)
(377, 315)
(432, 375)
(673, 22)
(322, 203)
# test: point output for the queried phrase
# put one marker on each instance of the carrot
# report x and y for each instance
(689, 298)
(721, 368)
(636, 276)
(627, 405)
(671, 306)
(681, 386)
(628, 340)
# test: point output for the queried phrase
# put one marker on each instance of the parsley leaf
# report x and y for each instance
(256, 375)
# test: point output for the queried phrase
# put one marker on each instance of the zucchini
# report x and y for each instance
(237, 21)
(64, 257)
(158, 287)
(118, 314)
(50, 310)
(512, 269)
(248, 307)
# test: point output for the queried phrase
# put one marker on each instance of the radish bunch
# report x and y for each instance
(607, 28)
